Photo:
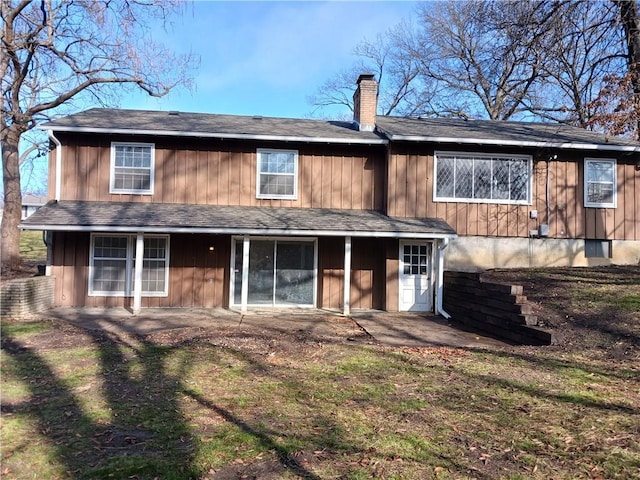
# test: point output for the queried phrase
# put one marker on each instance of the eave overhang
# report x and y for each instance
(219, 135)
(240, 231)
(515, 143)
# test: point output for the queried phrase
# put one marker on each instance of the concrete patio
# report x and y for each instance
(392, 329)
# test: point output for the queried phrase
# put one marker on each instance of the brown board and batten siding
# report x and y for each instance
(198, 275)
(223, 172)
(410, 194)
(367, 273)
(199, 272)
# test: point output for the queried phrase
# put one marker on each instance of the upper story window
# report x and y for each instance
(277, 174)
(132, 168)
(600, 182)
(482, 178)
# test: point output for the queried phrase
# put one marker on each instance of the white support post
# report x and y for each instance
(137, 274)
(244, 297)
(347, 276)
(48, 241)
(442, 244)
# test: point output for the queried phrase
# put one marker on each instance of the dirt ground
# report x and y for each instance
(22, 270)
(595, 308)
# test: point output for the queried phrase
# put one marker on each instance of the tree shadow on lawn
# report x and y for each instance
(285, 458)
(547, 358)
(540, 362)
(146, 434)
(494, 411)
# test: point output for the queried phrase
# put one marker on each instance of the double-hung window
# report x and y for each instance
(600, 182)
(132, 166)
(277, 174)
(112, 263)
(482, 178)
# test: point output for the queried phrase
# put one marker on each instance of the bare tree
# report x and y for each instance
(630, 19)
(34, 152)
(54, 53)
(617, 106)
(467, 59)
(484, 57)
(584, 48)
(539, 59)
(400, 91)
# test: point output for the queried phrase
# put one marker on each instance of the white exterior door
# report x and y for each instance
(415, 281)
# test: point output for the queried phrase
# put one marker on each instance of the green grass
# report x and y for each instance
(32, 248)
(630, 303)
(132, 409)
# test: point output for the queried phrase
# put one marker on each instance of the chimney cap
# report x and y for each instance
(366, 76)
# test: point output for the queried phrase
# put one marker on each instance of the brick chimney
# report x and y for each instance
(365, 102)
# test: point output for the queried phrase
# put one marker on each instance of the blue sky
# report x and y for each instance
(266, 58)
(259, 58)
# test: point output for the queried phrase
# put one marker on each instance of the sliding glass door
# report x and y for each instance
(261, 278)
(281, 272)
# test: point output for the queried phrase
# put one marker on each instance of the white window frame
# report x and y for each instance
(130, 263)
(587, 203)
(484, 155)
(112, 169)
(233, 268)
(259, 194)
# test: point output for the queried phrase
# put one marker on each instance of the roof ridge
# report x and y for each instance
(204, 114)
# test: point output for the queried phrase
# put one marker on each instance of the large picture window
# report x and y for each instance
(600, 182)
(277, 174)
(132, 166)
(113, 261)
(482, 178)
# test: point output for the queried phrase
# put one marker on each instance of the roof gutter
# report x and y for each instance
(235, 136)
(237, 231)
(515, 143)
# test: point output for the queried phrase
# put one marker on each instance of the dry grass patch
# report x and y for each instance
(249, 403)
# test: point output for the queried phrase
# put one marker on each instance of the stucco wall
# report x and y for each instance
(471, 253)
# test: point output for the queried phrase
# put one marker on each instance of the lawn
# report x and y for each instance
(223, 403)
(32, 248)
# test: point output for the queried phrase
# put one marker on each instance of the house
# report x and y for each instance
(173, 209)
(31, 203)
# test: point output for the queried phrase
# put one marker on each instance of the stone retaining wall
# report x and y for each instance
(497, 309)
(24, 297)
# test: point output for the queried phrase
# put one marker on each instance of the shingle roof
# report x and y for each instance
(451, 130)
(165, 217)
(434, 130)
(107, 120)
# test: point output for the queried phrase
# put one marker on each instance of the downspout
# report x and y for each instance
(53, 138)
(440, 286)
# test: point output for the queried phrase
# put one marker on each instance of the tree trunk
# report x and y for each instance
(631, 22)
(12, 213)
